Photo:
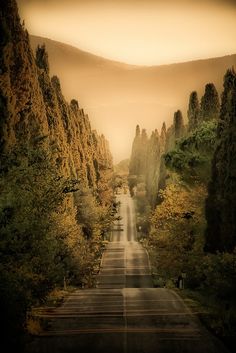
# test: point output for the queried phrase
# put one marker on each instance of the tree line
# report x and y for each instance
(56, 203)
(184, 184)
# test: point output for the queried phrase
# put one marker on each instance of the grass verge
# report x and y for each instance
(217, 316)
(36, 324)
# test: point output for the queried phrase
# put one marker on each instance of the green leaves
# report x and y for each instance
(221, 202)
(193, 111)
(192, 155)
(33, 233)
(210, 105)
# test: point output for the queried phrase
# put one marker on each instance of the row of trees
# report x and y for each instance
(55, 198)
(207, 154)
(221, 201)
(189, 148)
(192, 230)
(147, 157)
(206, 110)
(43, 238)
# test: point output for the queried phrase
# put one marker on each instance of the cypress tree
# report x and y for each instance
(137, 133)
(210, 103)
(42, 58)
(193, 111)
(225, 108)
(178, 124)
(153, 159)
(135, 160)
(221, 201)
(143, 152)
(163, 137)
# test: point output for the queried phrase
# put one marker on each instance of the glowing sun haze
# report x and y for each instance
(141, 32)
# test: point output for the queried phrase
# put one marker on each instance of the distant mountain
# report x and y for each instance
(119, 96)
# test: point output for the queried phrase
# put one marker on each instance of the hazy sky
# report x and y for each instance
(140, 32)
(143, 32)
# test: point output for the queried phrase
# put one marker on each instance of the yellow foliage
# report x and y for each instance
(176, 225)
(34, 326)
(180, 205)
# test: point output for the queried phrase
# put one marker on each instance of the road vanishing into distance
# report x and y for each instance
(124, 313)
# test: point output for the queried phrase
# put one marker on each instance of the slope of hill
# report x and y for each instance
(117, 96)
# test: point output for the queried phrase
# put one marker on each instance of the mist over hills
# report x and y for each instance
(118, 96)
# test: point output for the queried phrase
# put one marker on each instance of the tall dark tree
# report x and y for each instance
(139, 150)
(193, 111)
(210, 105)
(178, 124)
(42, 58)
(134, 160)
(221, 202)
(143, 151)
(163, 147)
(225, 101)
(163, 137)
(153, 160)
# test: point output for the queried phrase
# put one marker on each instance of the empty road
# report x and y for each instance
(124, 314)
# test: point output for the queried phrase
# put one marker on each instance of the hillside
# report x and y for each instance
(118, 96)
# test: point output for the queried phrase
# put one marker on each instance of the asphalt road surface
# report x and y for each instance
(124, 314)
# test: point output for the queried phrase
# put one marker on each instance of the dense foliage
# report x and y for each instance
(178, 124)
(139, 150)
(193, 153)
(193, 111)
(193, 228)
(176, 225)
(143, 210)
(209, 108)
(55, 198)
(221, 202)
(41, 240)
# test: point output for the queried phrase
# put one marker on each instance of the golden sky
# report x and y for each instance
(141, 32)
